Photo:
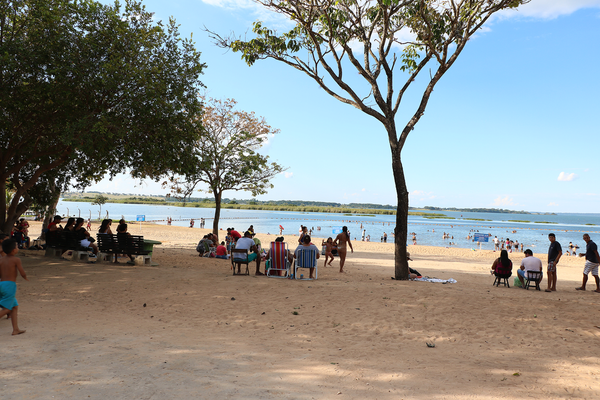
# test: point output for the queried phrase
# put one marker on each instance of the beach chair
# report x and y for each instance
(280, 265)
(533, 276)
(239, 257)
(305, 258)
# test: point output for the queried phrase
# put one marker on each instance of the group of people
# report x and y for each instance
(503, 265)
(509, 245)
(208, 246)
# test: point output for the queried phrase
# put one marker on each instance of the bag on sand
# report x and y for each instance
(517, 282)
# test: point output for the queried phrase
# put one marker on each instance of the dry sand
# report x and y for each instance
(189, 329)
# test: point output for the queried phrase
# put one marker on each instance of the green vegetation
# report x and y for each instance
(518, 220)
(476, 219)
(591, 224)
(543, 222)
(437, 217)
(487, 210)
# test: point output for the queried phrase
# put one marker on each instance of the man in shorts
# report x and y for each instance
(592, 260)
(554, 254)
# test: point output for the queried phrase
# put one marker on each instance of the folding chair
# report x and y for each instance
(502, 279)
(305, 258)
(242, 259)
(279, 261)
(533, 276)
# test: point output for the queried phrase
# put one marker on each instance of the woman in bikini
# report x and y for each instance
(340, 241)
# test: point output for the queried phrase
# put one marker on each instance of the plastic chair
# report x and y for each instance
(279, 261)
(305, 258)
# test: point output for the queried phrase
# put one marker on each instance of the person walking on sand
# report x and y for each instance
(554, 253)
(10, 265)
(192, 223)
(328, 250)
(592, 261)
(340, 241)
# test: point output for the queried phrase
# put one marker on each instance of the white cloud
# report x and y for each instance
(364, 189)
(564, 177)
(549, 9)
(552, 204)
(503, 201)
(288, 174)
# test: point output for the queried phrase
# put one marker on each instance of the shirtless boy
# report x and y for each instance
(9, 266)
(328, 250)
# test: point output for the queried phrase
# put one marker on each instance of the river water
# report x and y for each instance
(568, 227)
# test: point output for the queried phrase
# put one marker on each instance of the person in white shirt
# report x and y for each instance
(529, 263)
(247, 243)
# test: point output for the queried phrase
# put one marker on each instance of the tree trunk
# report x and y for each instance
(400, 231)
(218, 195)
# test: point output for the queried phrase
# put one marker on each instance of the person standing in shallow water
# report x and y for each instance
(341, 241)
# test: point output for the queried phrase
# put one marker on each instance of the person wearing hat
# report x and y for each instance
(247, 243)
(412, 273)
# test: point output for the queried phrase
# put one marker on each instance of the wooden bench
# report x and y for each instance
(123, 243)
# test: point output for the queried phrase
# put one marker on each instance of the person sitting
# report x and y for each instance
(105, 227)
(123, 237)
(53, 231)
(288, 255)
(502, 266)
(204, 246)
(246, 243)
(84, 236)
(307, 245)
(221, 251)
(529, 263)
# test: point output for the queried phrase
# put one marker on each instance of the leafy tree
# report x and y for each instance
(88, 89)
(99, 201)
(226, 155)
(332, 36)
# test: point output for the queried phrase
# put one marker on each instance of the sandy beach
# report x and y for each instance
(187, 328)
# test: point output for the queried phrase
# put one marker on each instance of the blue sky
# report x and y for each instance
(514, 123)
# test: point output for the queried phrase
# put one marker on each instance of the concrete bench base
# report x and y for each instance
(53, 252)
(104, 257)
(78, 256)
(143, 260)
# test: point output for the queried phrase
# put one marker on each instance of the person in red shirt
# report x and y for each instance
(222, 251)
(234, 234)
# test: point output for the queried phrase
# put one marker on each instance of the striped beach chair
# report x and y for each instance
(280, 265)
(305, 258)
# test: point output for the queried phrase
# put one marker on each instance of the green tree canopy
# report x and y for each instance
(227, 155)
(383, 41)
(88, 89)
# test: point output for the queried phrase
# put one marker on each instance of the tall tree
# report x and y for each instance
(88, 89)
(227, 155)
(332, 36)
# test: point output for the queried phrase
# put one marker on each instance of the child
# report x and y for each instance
(328, 250)
(9, 266)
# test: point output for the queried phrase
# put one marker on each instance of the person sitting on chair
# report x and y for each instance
(307, 245)
(529, 263)
(502, 266)
(247, 243)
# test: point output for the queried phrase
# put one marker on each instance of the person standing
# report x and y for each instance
(592, 261)
(496, 243)
(554, 254)
(340, 241)
(384, 237)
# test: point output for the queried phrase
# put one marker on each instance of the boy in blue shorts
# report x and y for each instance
(9, 266)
